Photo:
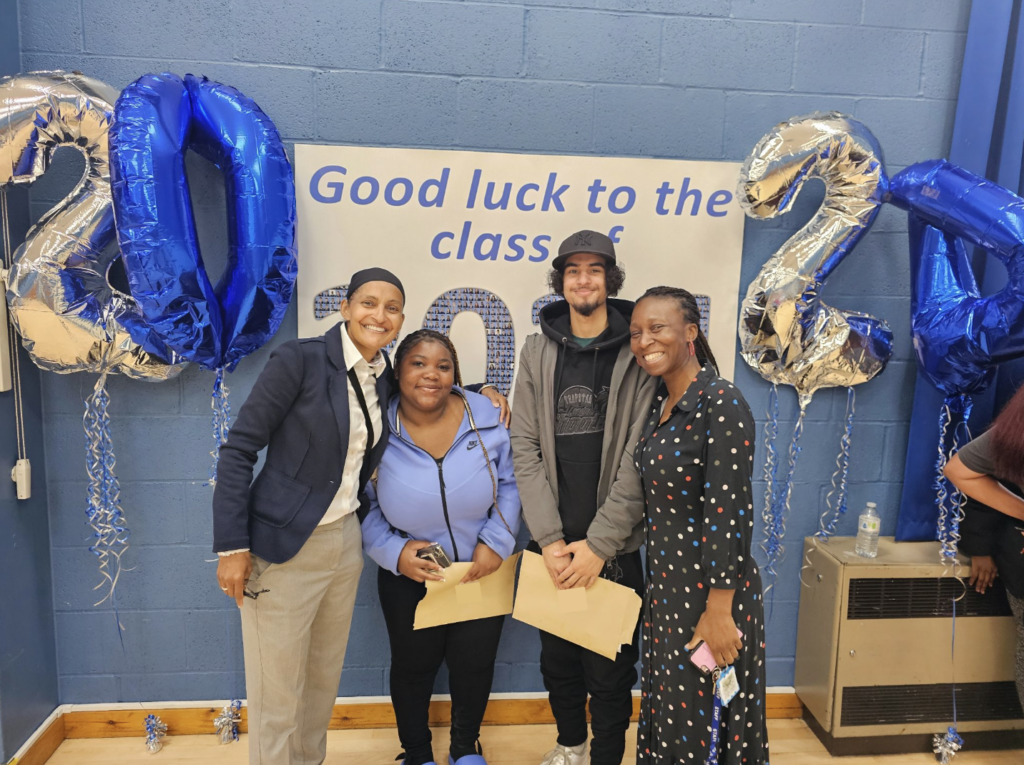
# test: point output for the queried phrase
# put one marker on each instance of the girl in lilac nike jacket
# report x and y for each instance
(445, 478)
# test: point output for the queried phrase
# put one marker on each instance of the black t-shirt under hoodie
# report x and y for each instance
(582, 380)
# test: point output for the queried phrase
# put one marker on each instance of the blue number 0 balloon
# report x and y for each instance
(156, 119)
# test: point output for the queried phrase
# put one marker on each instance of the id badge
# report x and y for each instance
(727, 685)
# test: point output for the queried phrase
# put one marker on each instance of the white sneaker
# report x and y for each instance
(567, 755)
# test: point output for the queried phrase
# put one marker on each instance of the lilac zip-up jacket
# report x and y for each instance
(448, 501)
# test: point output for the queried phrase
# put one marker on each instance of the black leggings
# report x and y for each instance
(469, 648)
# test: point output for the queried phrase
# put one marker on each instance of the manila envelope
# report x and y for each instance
(600, 619)
(449, 601)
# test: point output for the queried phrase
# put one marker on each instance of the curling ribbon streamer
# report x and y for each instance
(221, 421)
(104, 513)
(948, 500)
(841, 477)
(771, 451)
(771, 542)
(836, 500)
(946, 746)
(776, 513)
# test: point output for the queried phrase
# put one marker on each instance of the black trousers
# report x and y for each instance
(572, 672)
(469, 649)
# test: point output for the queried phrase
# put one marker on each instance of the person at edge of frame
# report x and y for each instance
(580, 400)
(990, 472)
(289, 543)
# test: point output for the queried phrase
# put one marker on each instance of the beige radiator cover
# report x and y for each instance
(833, 653)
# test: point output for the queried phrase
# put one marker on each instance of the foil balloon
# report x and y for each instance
(69, 317)
(158, 118)
(960, 336)
(787, 333)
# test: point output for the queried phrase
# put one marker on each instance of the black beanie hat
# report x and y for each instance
(375, 274)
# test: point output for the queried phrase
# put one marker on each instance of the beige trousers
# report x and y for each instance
(294, 638)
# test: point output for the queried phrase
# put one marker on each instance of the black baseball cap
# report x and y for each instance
(585, 241)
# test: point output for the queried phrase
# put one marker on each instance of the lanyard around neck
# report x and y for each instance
(354, 382)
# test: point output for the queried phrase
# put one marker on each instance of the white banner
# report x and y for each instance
(473, 234)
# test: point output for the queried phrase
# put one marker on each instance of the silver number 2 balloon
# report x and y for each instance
(70, 319)
(787, 333)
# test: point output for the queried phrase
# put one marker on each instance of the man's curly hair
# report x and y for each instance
(614, 278)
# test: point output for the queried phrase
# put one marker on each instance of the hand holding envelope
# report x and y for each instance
(600, 619)
(450, 601)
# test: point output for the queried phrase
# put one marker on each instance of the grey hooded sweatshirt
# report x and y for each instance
(617, 527)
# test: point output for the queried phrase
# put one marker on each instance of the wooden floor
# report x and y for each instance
(791, 744)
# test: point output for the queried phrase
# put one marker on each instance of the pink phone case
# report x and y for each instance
(704, 660)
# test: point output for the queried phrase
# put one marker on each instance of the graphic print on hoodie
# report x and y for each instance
(582, 380)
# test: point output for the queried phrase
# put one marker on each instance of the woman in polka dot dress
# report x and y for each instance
(695, 457)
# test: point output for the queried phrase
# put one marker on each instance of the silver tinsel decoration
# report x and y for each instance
(156, 729)
(227, 721)
(947, 745)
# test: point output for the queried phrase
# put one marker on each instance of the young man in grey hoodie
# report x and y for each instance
(580, 403)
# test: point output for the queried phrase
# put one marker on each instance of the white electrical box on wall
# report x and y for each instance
(5, 346)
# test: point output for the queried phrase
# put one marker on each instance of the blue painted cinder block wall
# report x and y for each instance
(691, 79)
(28, 658)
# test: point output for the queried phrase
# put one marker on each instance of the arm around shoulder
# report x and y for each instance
(500, 530)
(380, 540)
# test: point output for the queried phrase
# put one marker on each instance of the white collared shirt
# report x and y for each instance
(347, 499)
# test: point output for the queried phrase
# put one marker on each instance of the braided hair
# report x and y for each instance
(433, 336)
(691, 313)
(427, 336)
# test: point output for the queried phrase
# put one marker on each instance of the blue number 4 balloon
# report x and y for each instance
(960, 337)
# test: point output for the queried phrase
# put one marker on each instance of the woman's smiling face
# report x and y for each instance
(426, 375)
(374, 316)
(659, 335)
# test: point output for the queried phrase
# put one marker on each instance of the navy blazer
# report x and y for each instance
(299, 411)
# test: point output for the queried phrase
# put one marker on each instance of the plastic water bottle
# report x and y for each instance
(867, 531)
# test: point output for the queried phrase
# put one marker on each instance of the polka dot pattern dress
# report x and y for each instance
(696, 470)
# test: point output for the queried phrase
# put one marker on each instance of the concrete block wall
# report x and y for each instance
(28, 655)
(690, 79)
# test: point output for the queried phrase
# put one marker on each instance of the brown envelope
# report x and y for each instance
(600, 619)
(449, 601)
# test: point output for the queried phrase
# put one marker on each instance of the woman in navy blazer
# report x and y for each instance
(289, 542)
